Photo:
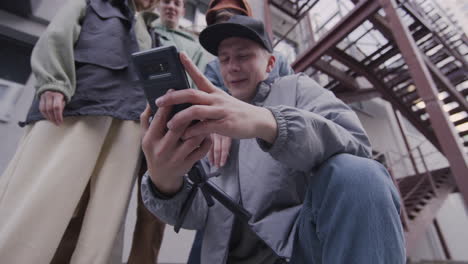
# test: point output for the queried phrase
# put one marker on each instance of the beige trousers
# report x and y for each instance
(46, 178)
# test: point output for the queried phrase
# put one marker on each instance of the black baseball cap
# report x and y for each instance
(237, 26)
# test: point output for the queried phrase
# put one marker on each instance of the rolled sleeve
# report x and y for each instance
(282, 135)
(52, 59)
(167, 208)
(318, 127)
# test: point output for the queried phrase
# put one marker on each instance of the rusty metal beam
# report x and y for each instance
(267, 18)
(442, 240)
(350, 22)
(419, 19)
(357, 67)
(298, 20)
(446, 83)
(345, 80)
(406, 141)
(382, 25)
(285, 9)
(443, 128)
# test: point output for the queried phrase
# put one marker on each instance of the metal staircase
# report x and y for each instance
(354, 72)
(423, 195)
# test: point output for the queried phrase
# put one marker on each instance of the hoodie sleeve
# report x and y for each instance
(319, 127)
(168, 208)
(52, 59)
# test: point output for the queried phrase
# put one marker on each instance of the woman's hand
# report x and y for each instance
(51, 105)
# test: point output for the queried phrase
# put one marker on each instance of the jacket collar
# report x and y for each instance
(149, 18)
(179, 31)
(263, 90)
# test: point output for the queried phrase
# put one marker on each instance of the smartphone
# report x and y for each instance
(159, 70)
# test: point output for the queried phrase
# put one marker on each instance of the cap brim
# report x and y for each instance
(212, 36)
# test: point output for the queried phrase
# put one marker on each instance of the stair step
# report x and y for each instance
(461, 121)
(463, 133)
(457, 109)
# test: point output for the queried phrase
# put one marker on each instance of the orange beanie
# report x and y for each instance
(215, 5)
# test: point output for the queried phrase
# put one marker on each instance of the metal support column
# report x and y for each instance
(443, 128)
(350, 22)
(407, 145)
(267, 18)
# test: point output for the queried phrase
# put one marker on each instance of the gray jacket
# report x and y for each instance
(271, 180)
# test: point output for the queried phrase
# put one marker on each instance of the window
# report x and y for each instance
(14, 60)
(9, 95)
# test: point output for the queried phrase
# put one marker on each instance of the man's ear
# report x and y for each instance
(271, 63)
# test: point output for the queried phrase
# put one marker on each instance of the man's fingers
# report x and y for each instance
(211, 151)
(216, 146)
(205, 127)
(191, 96)
(173, 137)
(210, 155)
(225, 148)
(187, 147)
(144, 119)
(200, 152)
(158, 126)
(197, 76)
(195, 112)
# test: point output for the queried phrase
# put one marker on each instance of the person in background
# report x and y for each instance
(64, 195)
(167, 31)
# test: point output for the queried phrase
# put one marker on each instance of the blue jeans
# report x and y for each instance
(350, 215)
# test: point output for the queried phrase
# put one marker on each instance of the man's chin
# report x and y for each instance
(239, 84)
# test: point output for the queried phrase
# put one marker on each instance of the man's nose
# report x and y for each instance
(171, 4)
(233, 66)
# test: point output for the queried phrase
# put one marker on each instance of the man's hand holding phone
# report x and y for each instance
(167, 155)
(220, 113)
(172, 145)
